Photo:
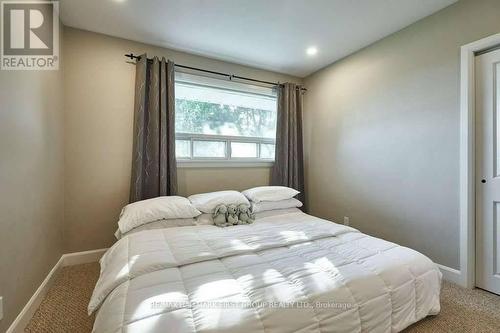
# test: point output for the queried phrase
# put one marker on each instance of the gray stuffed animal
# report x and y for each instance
(232, 214)
(244, 216)
(220, 216)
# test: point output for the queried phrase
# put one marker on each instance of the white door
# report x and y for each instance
(488, 171)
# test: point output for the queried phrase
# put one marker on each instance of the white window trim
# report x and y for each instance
(193, 164)
(227, 160)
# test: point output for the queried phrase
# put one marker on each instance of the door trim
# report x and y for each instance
(467, 157)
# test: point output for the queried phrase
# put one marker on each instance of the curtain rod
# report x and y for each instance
(229, 76)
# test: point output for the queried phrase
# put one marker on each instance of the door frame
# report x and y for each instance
(467, 158)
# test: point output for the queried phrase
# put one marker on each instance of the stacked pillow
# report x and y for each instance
(176, 211)
(266, 198)
(168, 211)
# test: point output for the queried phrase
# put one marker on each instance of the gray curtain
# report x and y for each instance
(154, 170)
(288, 167)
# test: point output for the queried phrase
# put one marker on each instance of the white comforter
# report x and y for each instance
(287, 273)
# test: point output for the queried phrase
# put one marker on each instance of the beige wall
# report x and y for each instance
(382, 132)
(31, 183)
(194, 180)
(99, 93)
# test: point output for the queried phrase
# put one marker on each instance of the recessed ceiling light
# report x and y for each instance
(311, 50)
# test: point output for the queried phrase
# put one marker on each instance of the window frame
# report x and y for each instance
(227, 160)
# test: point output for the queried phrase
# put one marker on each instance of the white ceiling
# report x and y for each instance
(268, 34)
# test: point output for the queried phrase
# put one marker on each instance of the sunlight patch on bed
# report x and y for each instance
(165, 302)
(237, 244)
(272, 276)
(326, 264)
(292, 235)
(125, 270)
(216, 289)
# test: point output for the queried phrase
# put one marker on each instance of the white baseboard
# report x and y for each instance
(77, 258)
(29, 309)
(451, 274)
(68, 259)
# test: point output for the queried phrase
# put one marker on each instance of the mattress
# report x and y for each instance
(285, 273)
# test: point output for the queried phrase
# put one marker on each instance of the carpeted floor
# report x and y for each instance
(65, 307)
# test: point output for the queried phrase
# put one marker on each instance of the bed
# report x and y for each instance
(287, 272)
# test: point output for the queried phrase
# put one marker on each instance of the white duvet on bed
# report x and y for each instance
(287, 273)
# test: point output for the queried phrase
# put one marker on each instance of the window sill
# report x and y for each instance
(224, 164)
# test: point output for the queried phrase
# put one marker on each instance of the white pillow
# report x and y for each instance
(206, 202)
(277, 212)
(263, 206)
(270, 193)
(160, 224)
(162, 208)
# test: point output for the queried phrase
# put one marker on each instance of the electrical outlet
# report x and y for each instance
(346, 220)
(1, 307)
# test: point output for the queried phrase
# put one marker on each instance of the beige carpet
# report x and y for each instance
(65, 307)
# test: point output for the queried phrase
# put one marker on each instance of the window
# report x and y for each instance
(223, 121)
